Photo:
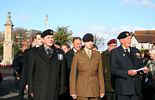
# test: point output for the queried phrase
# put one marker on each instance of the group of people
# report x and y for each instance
(53, 72)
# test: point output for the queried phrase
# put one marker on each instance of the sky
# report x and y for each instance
(105, 18)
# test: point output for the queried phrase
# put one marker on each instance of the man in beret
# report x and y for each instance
(109, 80)
(86, 77)
(47, 68)
(124, 67)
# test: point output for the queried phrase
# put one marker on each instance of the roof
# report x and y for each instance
(145, 36)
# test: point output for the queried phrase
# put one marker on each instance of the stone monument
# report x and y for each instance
(8, 41)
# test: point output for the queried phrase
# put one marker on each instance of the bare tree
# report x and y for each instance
(99, 40)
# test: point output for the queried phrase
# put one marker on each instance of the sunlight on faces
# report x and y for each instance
(77, 44)
(88, 45)
(112, 46)
(38, 40)
(48, 40)
(65, 48)
(126, 42)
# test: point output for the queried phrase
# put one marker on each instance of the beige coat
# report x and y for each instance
(86, 77)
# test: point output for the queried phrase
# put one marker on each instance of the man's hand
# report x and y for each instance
(146, 70)
(132, 72)
(102, 95)
(31, 94)
(26, 87)
(74, 96)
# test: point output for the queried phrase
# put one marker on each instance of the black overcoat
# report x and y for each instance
(47, 76)
(120, 64)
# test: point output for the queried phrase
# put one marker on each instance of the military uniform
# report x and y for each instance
(86, 78)
(109, 81)
(121, 62)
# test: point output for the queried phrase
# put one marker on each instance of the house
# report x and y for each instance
(143, 39)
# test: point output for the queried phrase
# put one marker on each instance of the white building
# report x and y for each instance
(143, 39)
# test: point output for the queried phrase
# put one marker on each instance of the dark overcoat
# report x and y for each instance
(120, 64)
(25, 70)
(69, 56)
(107, 71)
(47, 76)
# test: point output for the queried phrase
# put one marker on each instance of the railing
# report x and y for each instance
(6, 70)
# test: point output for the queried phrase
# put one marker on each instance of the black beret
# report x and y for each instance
(47, 32)
(88, 37)
(123, 35)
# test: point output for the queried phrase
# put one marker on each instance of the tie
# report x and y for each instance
(49, 52)
(89, 53)
(127, 52)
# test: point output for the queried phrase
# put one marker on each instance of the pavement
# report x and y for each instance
(8, 87)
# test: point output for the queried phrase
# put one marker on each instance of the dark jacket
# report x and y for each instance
(27, 57)
(69, 58)
(107, 71)
(47, 76)
(120, 64)
(18, 63)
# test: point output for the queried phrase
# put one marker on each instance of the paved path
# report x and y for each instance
(8, 86)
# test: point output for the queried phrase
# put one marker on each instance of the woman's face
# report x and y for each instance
(89, 45)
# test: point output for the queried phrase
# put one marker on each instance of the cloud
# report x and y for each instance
(144, 3)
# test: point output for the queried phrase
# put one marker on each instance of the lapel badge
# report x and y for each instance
(123, 54)
(60, 57)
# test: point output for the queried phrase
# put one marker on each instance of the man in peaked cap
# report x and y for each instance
(124, 67)
(88, 84)
(47, 32)
(47, 73)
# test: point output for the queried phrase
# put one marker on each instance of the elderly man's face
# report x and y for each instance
(48, 40)
(126, 42)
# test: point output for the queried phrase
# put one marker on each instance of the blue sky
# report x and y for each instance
(102, 17)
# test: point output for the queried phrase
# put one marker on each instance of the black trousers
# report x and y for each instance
(128, 97)
(109, 96)
(149, 93)
(65, 96)
(21, 86)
